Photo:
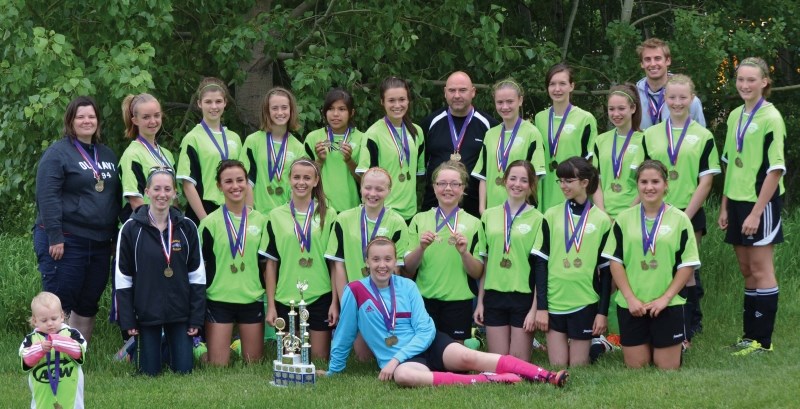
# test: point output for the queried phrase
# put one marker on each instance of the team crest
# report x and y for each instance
(664, 229)
(753, 128)
(633, 148)
(461, 228)
(289, 156)
(691, 139)
(382, 231)
(253, 229)
(568, 128)
(524, 228)
(590, 227)
(176, 245)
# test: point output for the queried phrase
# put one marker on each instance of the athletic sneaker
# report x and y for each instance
(613, 339)
(601, 340)
(742, 343)
(502, 377)
(538, 346)
(558, 379)
(755, 347)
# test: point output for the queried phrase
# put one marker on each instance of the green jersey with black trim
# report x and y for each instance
(675, 248)
(571, 288)
(281, 244)
(71, 379)
(199, 159)
(135, 165)
(255, 161)
(577, 139)
(527, 146)
(441, 274)
(697, 157)
(762, 153)
(345, 242)
(336, 176)
(223, 284)
(526, 235)
(615, 202)
(380, 150)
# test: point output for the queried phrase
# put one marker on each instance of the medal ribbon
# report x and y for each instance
(236, 241)
(400, 141)
(165, 247)
(365, 236)
(222, 154)
(93, 164)
(345, 138)
(453, 215)
(303, 233)
(156, 153)
(458, 139)
(674, 149)
(389, 315)
(739, 131)
(503, 149)
(508, 220)
(276, 163)
(54, 379)
(574, 234)
(654, 107)
(616, 160)
(649, 239)
(553, 139)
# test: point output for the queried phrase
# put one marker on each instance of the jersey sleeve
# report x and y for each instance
(536, 152)
(541, 244)
(589, 135)
(197, 276)
(345, 334)
(30, 353)
(613, 248)
(335, 248)
(420, 152)
(132, 175)
(775, 148)
(400, 238)
(687, 255)
(249, 160)
(478, 244)
(368, 157)
(188, 161)
(412, 238)
(268, 248)
(479, 172)
(123, 277)
(709, 159)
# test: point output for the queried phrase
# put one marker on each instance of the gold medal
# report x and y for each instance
(645, 267)
(391, 340)
(100, 185)
(57, 406)
(437, 238)
(310, 262)
(241, 266)
(553, 165)
(408, 176)
(455, 156)
(653, 264)
(616, 187)
(673, 175)
(738, 162)
(452, 240)
(499, 181)
(577, 262)
(279, 191)
(364, 271)
(270, 190)
(402, 177)
(233, 269)
(566, 263)
(303, 262)
(168, 272)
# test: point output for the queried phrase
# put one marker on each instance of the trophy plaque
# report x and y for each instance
(292, 365)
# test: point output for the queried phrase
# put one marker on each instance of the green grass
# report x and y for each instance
(710, 377)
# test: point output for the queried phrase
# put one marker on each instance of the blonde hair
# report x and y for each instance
(379, 170)
(681, 79)
(508, 83)
(43, 300)
(129, 111)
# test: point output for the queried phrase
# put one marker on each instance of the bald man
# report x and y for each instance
(455, 132)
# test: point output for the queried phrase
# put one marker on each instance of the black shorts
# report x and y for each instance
(501, 308)
(317, 313)
(699, 221)
(454, 318)
(663, 331)
(577, 325)
(433, 357)
(770, 230)
(220, 312)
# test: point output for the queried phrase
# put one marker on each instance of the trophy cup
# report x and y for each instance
(292, 365)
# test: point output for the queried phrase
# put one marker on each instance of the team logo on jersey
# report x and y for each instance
(691, 139)
(664, 229)
(289, 156)
(524, 228)
(461, 228)
(590, 227)
(753, 128)
(253, 229)
(633, 148)
(369, 309)
(232, 144)
(176, 245)
(382, 231)
(568, 128)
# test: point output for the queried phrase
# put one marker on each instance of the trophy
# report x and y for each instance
(292, 365)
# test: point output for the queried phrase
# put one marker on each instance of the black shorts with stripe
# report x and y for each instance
(770, 229)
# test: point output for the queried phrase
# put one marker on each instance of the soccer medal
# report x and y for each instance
(499, 181)
(168, 272)
(234, 269)
(553, 165)
(566, 263)
(241, 266)
(391, 340)
(452, 240)
(645, 267)
(402, 177)
(100, 185)
(653, 264)
(455, 156)
(279, 191)
(616, 187)
(673, 175)
(270, 190)
(738, 162)
(408, 176)
(303, 262)
(577, 262)
(364, 271)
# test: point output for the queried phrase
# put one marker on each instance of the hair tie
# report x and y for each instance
(211, 85)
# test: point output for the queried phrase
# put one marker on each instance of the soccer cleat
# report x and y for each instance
(601, 340)
(755, 347)
(558, 379)
(613, 339)
(502, 377)
(538, 346)
(742, 343)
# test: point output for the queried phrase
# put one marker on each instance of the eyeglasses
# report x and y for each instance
(453, 185)
(565, 181)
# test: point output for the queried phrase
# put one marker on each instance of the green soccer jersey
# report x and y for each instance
(696, 157)
(226, 280)
(526, 146)
(381, 150)
(761, 153)
(135, 165)
(344, 244)
(70, 382)
(281, 244)
(200, 158)
(618, 192)
(441, 274)
(675, 248)
(257, 161)
(570, 278)
(336, 176)
(512, 275)
(576, 139)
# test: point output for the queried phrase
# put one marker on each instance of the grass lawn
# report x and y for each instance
(710, 377)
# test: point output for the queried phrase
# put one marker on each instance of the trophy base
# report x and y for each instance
(293, 374)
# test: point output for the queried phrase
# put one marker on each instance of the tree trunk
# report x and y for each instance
(625, 17)
(259, 76)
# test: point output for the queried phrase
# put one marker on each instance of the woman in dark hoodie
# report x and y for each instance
(160, 278)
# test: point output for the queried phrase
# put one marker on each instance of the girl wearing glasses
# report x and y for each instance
(574, 307)
(515, 253)
(443, 253)
(160, 278)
